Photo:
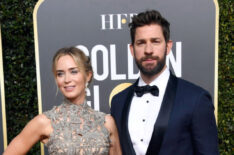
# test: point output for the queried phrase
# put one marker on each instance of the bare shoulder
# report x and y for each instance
(40, 124)
(41, 120)
(109, 118)
(110, 123)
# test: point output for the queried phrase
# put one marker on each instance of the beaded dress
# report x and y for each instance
(77, 130)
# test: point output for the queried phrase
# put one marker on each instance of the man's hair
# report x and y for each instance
(147, 18)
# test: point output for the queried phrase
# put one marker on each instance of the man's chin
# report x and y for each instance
(148, 72)
(151, 71)
(149, 67)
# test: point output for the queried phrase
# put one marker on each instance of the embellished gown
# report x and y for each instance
(77, 130)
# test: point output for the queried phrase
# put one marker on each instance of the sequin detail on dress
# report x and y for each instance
(77, 130)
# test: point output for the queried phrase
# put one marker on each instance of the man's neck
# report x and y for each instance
(148, 79)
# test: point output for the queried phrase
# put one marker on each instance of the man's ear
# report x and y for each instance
(169, 46)
(131, 49)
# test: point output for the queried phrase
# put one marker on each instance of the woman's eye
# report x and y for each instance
(74, 71)
(59, 74)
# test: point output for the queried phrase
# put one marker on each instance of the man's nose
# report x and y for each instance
(148, 49)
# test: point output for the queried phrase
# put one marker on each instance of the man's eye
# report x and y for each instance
(140, 43)
(156, 41)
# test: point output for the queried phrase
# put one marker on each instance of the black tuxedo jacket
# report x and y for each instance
(185, 124)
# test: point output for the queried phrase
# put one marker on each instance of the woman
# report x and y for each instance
(72, 127)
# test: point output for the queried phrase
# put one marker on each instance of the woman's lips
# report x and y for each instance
(69, 88)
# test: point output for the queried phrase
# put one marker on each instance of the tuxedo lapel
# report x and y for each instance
(163, 117)
(125, 132)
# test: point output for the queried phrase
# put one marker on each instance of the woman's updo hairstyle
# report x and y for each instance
(83, 62)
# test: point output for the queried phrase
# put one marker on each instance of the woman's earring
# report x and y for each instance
(57, 89)
(86, 88)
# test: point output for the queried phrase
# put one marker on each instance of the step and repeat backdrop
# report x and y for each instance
(100, 29)
(3, 132)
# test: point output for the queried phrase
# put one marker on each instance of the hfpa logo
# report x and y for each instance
(115, 21)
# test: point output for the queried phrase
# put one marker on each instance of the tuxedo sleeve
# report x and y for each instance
(204, 129)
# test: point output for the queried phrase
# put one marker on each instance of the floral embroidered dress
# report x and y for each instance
(77, 130)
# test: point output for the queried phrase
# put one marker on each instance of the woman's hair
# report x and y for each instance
(83, 62)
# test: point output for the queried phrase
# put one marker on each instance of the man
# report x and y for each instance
(174, 116)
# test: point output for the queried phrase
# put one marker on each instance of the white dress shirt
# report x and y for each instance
(144, 112)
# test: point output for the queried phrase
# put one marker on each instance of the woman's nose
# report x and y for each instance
(67, 78)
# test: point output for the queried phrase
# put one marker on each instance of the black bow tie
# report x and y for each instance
(146, 89)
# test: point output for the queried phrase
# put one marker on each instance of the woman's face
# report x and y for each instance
(70, 80)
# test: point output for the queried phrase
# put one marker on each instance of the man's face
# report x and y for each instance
(150, 49)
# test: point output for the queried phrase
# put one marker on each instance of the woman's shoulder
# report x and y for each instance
(109, 122)
(38, 125)
(109, 118)
(53, 112)
(101, 117)
(41, 120)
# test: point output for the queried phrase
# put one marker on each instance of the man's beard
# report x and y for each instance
(151, 71)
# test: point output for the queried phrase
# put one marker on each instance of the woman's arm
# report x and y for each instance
(37, 129)
(115, 148)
